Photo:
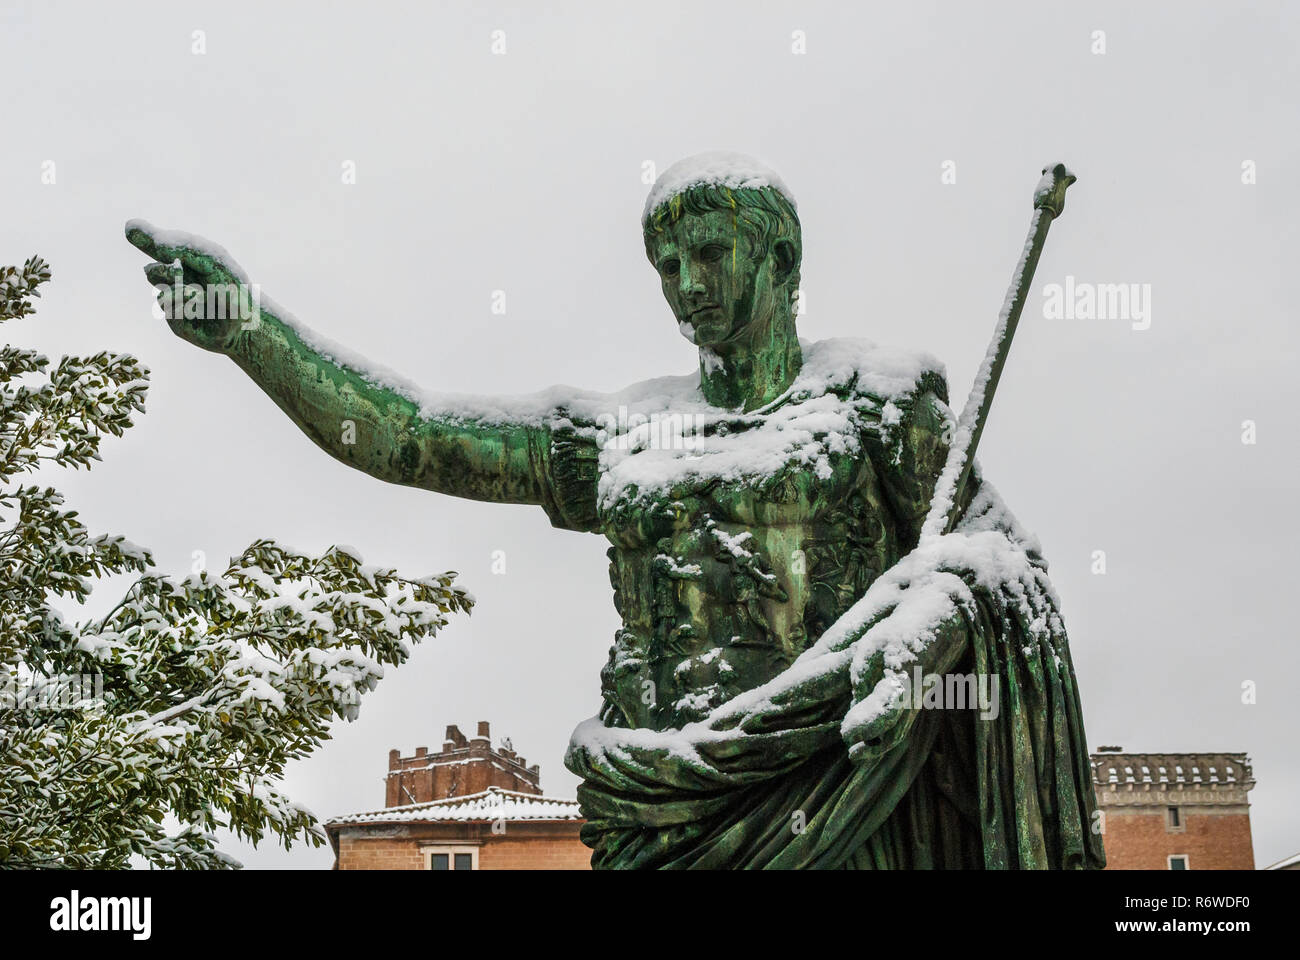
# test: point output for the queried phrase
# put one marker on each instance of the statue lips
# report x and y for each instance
(694, 319)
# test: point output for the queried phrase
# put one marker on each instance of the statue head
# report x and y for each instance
(722, 232)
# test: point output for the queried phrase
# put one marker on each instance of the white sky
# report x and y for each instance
(522, 173)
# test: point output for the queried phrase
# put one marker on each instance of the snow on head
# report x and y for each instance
(716, 168)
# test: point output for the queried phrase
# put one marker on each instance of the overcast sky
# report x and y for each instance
(523, 172)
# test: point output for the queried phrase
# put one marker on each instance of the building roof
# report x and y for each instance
(491, 804)
(1199, 769)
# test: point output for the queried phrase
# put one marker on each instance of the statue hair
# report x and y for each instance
(762, 211)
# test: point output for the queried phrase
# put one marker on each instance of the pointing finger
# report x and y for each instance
(208, 261)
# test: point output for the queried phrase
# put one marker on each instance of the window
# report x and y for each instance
(451, 858)
(1173, 820)
(1178, 861)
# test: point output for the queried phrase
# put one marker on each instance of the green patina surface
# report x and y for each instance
(722, 582)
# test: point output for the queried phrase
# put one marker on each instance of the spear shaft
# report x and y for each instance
(1049, 203)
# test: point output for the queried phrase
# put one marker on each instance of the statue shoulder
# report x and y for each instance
(902, 401)
(900, 395)
(868, 370)
(579, 423)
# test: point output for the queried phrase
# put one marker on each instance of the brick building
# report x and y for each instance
(463, 766)
(475, 806)
(1174, 811)
(470, 806)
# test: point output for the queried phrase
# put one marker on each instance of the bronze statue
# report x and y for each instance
(780, 693)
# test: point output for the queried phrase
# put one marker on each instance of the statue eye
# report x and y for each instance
(670, 267)
(712, 253)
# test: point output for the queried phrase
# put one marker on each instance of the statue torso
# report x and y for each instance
(730, 558)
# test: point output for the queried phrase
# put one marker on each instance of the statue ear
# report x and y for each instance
(783, 257)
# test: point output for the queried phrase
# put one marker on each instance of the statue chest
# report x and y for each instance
(721, 583)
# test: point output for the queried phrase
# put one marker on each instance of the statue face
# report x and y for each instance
(716, 290)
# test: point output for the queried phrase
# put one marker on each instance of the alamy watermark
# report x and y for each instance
(1098, 301)
(210, 301)
(952, 691)
(655, 431)
(76, 913)
(77, 691)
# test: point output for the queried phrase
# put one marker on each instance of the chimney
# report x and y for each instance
(454, 739)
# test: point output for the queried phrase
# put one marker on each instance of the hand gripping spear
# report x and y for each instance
(1049, 202)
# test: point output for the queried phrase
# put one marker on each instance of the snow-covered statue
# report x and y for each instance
(804, 677)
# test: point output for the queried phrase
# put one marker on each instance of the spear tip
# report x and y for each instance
(1049, 195)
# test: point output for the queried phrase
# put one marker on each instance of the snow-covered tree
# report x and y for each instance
(133, 736)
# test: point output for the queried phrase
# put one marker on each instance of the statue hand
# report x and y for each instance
(890, 722)
(194, 280)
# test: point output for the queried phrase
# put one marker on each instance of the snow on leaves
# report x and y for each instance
(207, 684)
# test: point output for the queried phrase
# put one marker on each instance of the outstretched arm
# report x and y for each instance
(371, 420)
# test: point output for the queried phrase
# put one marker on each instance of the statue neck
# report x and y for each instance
(747, 374)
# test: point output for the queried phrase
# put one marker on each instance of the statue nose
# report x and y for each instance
(691, 280)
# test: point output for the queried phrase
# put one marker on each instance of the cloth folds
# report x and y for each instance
(837, 763)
